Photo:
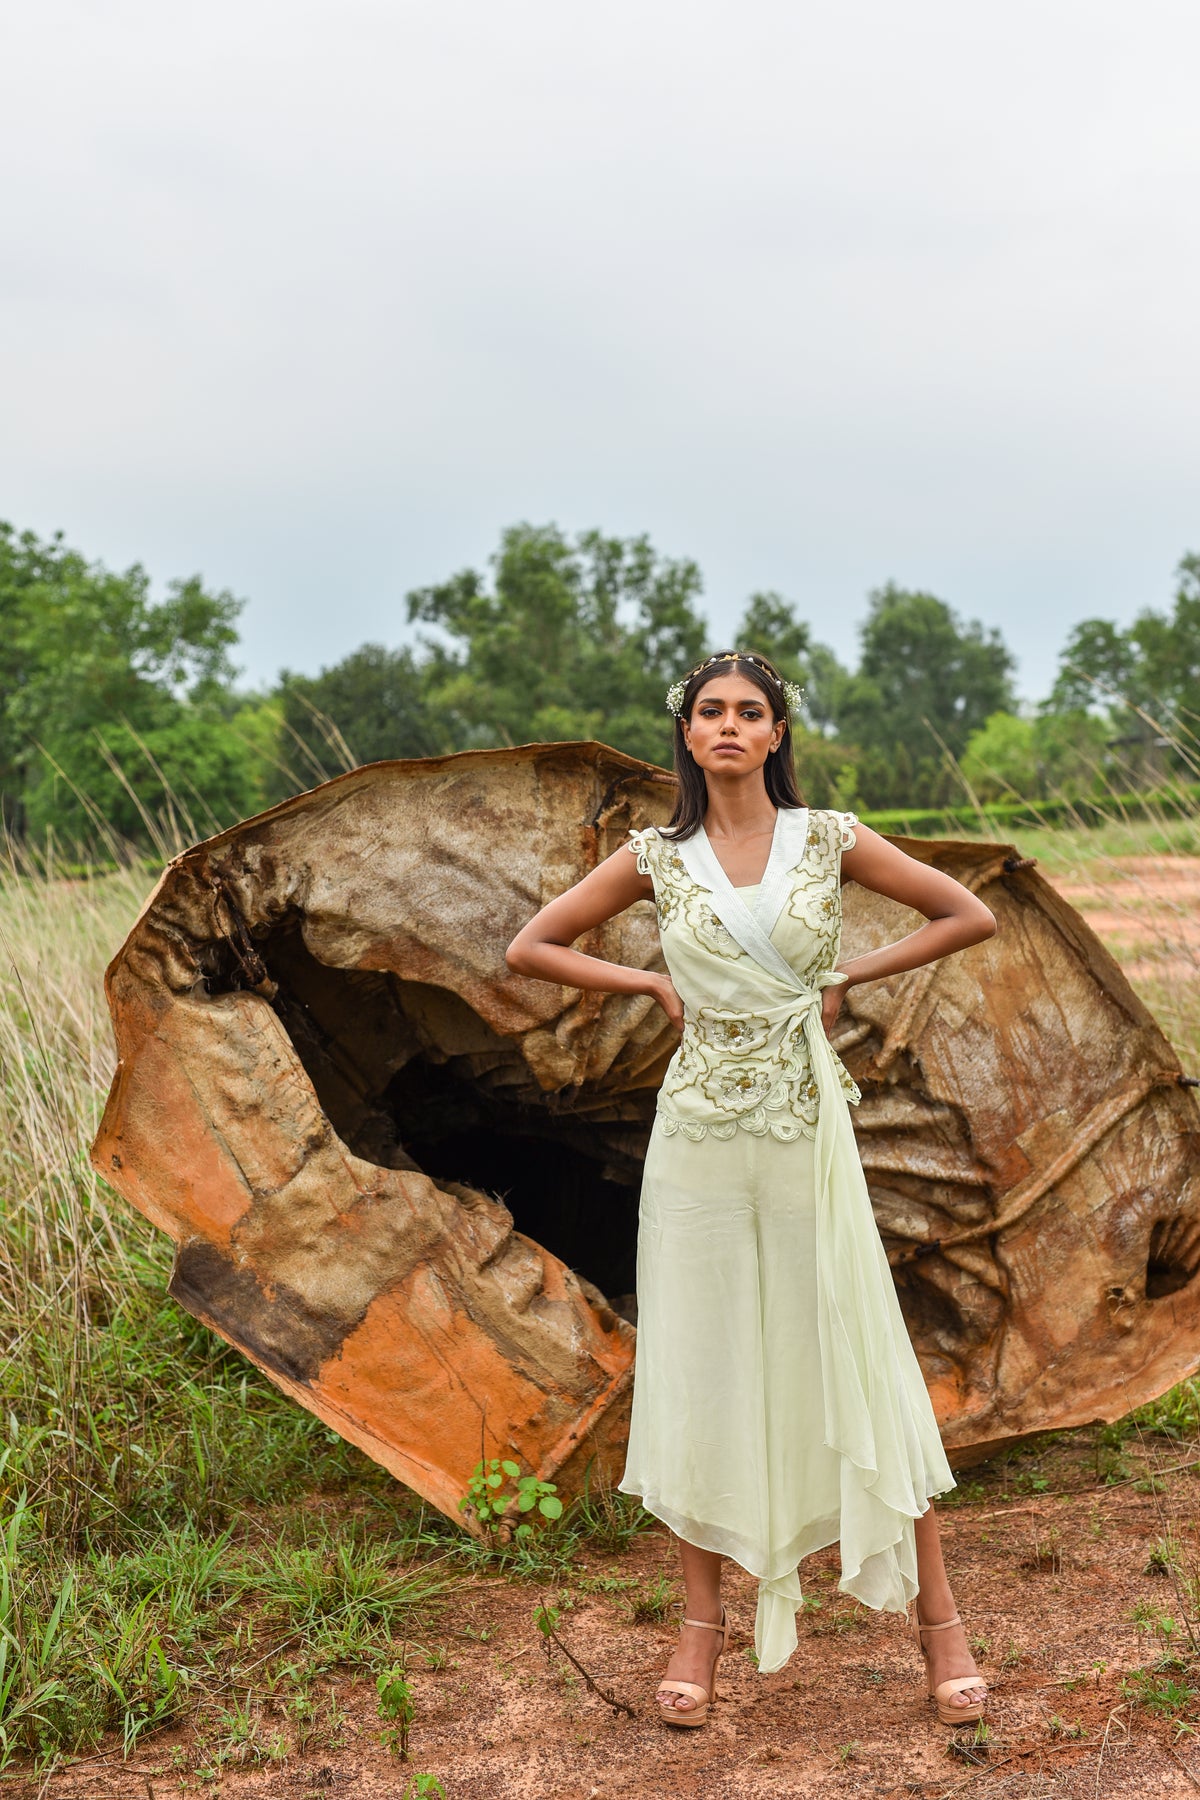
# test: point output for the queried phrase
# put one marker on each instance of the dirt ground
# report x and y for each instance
(1145, 910)
(1063, 1591)
(1060, 1572)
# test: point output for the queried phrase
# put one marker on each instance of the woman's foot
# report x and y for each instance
(948, 1659)
(694, 1663)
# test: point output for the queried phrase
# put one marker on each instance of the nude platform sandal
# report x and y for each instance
(957, 1684)
(697, 1714)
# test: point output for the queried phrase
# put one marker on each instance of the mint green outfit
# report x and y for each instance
(778, 1405)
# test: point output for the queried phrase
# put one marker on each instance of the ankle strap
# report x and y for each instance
(707, 1624)
(944, 1625)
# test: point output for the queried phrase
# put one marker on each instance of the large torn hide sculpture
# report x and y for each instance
(403, 1180)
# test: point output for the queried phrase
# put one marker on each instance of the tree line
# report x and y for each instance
(119, 712)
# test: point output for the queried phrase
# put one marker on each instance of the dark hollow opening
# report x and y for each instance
(1173, 1258)
(558, 1191)
(409, 1077)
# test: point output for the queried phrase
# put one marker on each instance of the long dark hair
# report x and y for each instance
(779, 774)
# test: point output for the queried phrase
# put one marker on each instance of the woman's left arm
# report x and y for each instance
(954, 917)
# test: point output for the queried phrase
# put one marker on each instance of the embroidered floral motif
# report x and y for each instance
(739, 1086)
(710, 930)
(816, 897)
(741, 1032)
(744, 1063)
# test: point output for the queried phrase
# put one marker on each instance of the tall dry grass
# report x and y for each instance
(138, 1453)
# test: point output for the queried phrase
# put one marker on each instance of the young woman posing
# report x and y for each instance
(778, 1405)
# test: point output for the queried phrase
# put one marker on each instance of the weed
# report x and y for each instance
(1163, 1559)
(396, 1704)
(651, 1605)
(1046, 1555)
(487, 1502)
(422, 1787)
(974, 1749)
(607, 1518)
(1150, 1621)
(547, 1619)
(1159, 1691)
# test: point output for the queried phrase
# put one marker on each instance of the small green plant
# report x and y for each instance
(1149, 1621)
(487, 1499)
(1162, 1559)
(546, 1618)
(1061, 1730)
(650, 1605)
(423, 1787)
(396, 1704)
(974, 1749)
(1158, 1692)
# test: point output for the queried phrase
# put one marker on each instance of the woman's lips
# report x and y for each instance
(736, 749)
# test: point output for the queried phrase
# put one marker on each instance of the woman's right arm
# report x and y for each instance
(543, 947)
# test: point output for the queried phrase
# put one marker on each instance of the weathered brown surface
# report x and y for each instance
(325, 1063)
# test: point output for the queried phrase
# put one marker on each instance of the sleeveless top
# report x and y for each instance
(744, 1061)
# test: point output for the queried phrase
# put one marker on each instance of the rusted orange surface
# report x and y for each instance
(330, 1085)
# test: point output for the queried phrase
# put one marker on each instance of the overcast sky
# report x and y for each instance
(315, 299)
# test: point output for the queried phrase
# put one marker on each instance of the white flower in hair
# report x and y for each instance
(793, 693)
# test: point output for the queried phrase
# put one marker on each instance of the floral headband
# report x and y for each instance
(793, 694)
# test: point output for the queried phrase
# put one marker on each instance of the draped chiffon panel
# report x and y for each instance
(778, 1405)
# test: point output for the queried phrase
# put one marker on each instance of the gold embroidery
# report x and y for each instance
(743, 1061)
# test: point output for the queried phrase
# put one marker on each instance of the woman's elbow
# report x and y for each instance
(514, 956)
(985, 922)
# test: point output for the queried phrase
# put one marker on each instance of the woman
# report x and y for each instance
(778, 1405)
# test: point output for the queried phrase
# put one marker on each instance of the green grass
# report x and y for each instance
(179, 1543)
(177, 1539)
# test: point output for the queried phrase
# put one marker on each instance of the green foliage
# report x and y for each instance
(652, 1604)
(118, 714)
(1037, 758)
(920, 667)
(497, 1486)
(1000, 758)
(1143, 682)
(546, 1618)
(769, 625)
(89, 667)
(1154, 663)
(1161, 1691)
(606, 1518)
(370, 706)
(396, 1704)
(571, 638)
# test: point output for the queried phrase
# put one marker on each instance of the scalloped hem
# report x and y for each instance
(788, 1131)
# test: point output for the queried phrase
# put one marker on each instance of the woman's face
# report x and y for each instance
(732, 730)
